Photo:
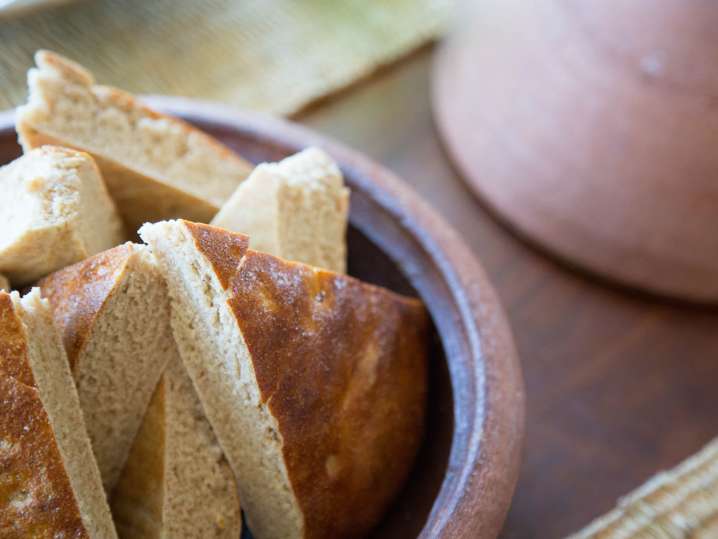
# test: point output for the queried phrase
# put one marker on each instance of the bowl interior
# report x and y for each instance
(367, 261)
(413, 505)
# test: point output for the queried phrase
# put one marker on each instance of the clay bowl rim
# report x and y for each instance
(484, 370)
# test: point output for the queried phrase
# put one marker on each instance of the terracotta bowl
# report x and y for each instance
(465, 474)
(591, 127)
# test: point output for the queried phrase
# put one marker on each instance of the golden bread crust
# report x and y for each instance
(343, 371)
(13, 343)
(78, 293)
(36, 498)
(222, 249)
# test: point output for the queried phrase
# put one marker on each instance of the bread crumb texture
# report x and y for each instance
(55, 211)
(49, 483)
(155, 166)
(61, 403)
(113, 312)
(314, 382)
(295, 209)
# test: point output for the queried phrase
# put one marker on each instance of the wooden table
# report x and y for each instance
(619, 385)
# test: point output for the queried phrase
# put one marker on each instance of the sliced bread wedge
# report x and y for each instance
(315, 383)
(112, 311)
(155, 166)
(296, 209)
(54, 211)
(50, 482)
(177, 482)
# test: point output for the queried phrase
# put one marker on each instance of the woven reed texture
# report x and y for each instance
(679, 504)
(269, 55)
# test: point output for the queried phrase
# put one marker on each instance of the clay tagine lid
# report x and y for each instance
(591, 127)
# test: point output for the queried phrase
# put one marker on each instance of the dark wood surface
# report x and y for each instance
(619, 385)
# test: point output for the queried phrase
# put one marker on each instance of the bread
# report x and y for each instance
(4, 283)
(177, 482)
(293, 207)
(155, 166)
(176, 479)
(54, 211)
(113, 314)
(296, 209)
(315, 383)
(50, 485)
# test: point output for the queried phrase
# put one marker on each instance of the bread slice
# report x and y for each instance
(155, 166)
(177, 482)
(315, 383)
(54, 211)
(113, 314)
(50, 483)
(296, 209)
(4, 283)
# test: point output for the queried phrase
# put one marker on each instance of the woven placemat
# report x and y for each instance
(268, 55)
(679, 504)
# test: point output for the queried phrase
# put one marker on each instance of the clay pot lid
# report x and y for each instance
(591, 127)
